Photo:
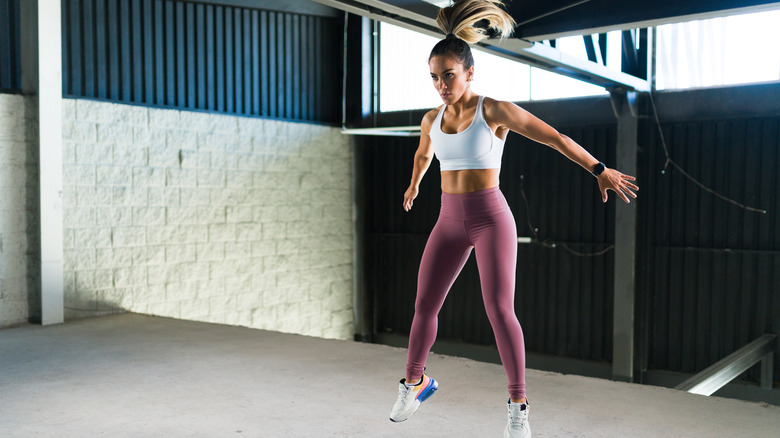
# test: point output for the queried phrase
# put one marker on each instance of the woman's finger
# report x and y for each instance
(623, 196)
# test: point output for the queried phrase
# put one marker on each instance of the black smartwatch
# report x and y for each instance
(598, 169)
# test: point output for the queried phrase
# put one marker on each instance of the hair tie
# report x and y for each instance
(450, 35)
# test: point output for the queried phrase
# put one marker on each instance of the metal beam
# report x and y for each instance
(290, 6)
(534, 54)
(41, 54)
(423, 12)
(609, 15)
(623, 349)
(552, 12)
(358, 8)
(603, 47)
(630, 52)
(394, 131)
(730, 367)
(547, 58)
(590, 48)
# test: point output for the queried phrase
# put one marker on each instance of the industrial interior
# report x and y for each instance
(201, 230)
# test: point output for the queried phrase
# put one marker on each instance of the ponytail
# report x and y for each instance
(459, 19)
(457, 23)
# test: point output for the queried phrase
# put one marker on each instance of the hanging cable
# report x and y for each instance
(587, 254)
(548, 243)
(669, 161)
(534, 231)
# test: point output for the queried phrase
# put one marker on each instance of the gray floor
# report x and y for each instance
(138, 376)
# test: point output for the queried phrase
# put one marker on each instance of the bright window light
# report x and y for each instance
(405, 81)
(575, 46)
(720, 51)
(547, 85)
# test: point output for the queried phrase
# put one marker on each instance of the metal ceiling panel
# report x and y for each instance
(550, 19)
(415, 15)
(554, 18)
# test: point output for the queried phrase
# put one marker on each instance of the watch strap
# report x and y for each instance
(598, 169)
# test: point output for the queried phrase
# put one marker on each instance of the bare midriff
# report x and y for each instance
(469, 180)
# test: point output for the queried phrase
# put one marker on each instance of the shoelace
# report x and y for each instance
(403, 391)
(517, 418)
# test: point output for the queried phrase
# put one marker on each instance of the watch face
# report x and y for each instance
(598, 169)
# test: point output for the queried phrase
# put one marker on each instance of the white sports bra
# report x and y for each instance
(476, 147)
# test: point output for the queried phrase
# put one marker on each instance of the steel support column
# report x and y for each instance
(42, 78)
(623, 347)
(358, 103)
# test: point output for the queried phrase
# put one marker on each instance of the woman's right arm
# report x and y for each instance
(422, 159)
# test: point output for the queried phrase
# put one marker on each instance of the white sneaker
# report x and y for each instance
(409, 399)
(518, 426)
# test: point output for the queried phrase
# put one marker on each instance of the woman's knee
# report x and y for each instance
(500, 312)
(426, 308)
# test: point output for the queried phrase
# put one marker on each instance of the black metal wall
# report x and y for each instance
(205, 57)
(708, 272)
(10, 69)
(563, 301)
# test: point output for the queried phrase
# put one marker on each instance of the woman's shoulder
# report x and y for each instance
(490, 103)
(429, 117)
(494, 107)
(433, 113)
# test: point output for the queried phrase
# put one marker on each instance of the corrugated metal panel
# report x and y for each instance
(707, 281)
(10, 63)
(203, 57)
(710, 267)
(564, 302)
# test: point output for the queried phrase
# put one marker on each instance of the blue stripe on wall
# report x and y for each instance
(171, 53)
(10, 63)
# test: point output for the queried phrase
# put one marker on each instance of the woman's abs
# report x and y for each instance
(469, 180)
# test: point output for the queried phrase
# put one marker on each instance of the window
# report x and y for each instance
(719, 51)
(405, 78)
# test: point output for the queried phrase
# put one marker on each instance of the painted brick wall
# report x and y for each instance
(207, 217)
(19, 265)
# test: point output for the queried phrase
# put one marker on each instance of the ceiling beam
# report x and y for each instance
(548, 58)
(550, 21)
(516, 49)
(291, 6)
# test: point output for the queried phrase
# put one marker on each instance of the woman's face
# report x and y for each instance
(449, 77)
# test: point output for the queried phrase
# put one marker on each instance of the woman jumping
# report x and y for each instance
(467, 136)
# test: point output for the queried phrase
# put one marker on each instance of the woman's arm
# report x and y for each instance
(510, 116)
(422, 160)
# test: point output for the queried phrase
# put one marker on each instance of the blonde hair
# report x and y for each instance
(459, 19)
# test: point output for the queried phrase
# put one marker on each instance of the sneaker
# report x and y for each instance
(409, 399)
(518, 426)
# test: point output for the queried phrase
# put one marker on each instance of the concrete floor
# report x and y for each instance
(137, 376)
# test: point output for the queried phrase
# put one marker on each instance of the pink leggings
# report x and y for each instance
(480, 220)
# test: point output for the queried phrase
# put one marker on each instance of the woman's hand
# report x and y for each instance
(611, 179)
(409, 196)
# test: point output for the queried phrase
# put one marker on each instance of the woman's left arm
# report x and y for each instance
(514, 118)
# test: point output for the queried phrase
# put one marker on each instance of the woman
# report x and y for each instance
(467, 135)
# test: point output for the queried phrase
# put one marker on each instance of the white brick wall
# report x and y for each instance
(18, 180)
(207, 217)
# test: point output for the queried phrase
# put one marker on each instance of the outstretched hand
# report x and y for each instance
(611, 179)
